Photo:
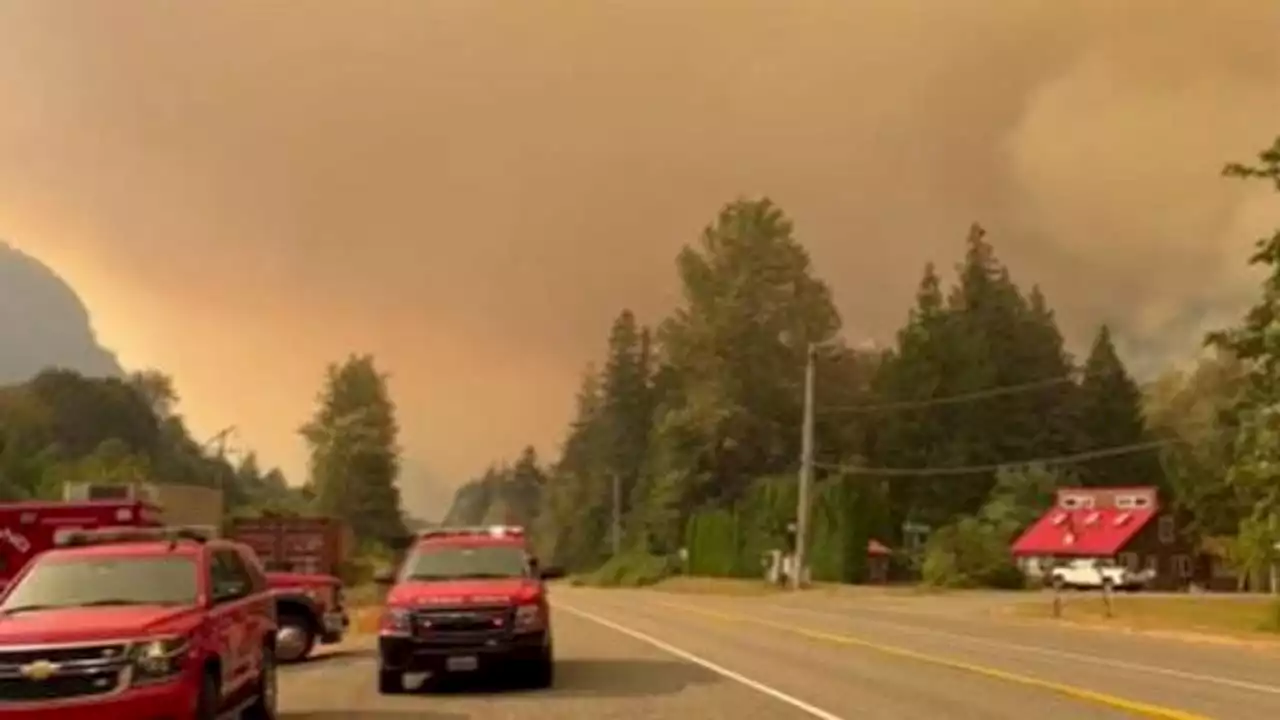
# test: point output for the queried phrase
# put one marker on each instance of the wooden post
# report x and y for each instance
(1106, 598)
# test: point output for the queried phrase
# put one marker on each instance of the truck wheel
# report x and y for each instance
(295, 638)
(540, 673)
(209, 698)
(264, 704)
(390, 682)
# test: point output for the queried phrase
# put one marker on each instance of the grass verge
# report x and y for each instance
(716, 586)
(1256, 618)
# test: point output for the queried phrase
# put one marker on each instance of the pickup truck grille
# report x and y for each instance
(462, 625)
(79, 671)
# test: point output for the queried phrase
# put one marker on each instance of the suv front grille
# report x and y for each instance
(73, 671)
(462, 625)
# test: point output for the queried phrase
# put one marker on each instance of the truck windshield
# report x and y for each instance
(463, 563)
(82, 582)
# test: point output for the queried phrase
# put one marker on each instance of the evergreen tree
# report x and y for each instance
(1111, 416)
(1254, 474)
(736, 351)
(355, 456)
(626, 408)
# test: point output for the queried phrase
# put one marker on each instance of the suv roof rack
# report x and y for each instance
(112, 535)
(472, 530)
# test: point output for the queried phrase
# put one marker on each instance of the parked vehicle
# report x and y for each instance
(138, 623)
(1096, 574)
(303, 556)
(310, 604)
(29, 528)
(467, 599)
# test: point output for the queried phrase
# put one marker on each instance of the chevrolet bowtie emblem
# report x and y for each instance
(39, 670)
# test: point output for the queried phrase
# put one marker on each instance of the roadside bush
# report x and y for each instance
(638, 569)
(1271, 623)
(969, 554)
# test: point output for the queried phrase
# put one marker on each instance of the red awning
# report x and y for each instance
(1090, 533)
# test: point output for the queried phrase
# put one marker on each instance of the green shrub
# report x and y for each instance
(1271, 622)
(971, 553)
(637, 569)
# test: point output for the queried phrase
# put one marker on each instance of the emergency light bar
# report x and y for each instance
(473, 530)
(112, 535)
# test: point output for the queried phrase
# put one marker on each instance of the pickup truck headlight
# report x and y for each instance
(159, 659)
(529, 618)
(396, 621)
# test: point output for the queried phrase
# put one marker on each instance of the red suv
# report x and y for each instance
(467, 599)
(139, 623)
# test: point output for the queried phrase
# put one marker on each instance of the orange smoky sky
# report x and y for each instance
(244, 191)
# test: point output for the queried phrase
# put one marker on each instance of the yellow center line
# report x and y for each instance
(1134, 707)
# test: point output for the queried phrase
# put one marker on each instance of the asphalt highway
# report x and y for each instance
(640, 654)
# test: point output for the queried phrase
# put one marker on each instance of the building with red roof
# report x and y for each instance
(1126, 525)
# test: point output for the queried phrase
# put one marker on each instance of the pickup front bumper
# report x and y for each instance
(334, 626)
(155, 702)
(418, 654)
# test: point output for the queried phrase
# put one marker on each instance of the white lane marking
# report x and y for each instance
(1047, 652)
(687, 656)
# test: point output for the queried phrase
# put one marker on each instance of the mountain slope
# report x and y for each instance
(43, 322)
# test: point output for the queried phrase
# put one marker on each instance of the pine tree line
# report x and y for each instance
(697, 421)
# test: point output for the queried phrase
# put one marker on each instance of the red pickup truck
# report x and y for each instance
(138, 623)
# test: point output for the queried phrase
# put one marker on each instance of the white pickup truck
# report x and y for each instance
(1097, 574)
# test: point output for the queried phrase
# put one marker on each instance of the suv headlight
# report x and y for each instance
(529, 618)
(158, 659)
(396, 621)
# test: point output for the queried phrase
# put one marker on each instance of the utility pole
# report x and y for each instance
(617, 514)
(806, 473)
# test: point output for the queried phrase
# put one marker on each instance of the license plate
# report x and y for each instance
(461, 663)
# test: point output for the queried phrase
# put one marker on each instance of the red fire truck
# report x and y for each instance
(29, 528)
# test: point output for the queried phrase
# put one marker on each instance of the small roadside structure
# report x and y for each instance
(878, 555)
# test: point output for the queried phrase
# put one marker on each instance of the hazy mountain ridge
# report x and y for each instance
(43, 322)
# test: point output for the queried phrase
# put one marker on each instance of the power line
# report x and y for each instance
(952, 399)
(983, 394)
(1079, 457)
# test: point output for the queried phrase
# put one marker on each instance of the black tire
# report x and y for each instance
(207, 703)
(303, 630)
(265, 701)
(390, 682)
(540, 672)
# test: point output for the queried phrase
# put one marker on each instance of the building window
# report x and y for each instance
(1182, 566)
(1076, 502)
(1166, 529)
(1132, 502)
(1131, 561)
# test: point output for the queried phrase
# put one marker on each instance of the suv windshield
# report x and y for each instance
(80, 582)
(471, 562)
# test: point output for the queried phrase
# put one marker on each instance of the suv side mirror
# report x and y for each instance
(551, 573)
(384, 577)
(230, 590)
